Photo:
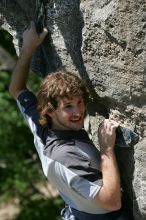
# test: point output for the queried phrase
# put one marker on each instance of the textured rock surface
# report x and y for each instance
(105, 42)
(6, 61)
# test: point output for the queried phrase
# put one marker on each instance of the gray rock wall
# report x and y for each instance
(105, 43)
(7, 62)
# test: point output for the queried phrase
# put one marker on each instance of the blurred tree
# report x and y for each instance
(17, 155)
(6, 42)
(7, 52)
(41, 209)
(20, 168)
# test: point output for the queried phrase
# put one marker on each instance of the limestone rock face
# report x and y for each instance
(105, 43)
(6, 61)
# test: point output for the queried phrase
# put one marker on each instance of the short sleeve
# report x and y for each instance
(27, 103)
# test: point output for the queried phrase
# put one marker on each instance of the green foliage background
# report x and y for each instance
(20, 168)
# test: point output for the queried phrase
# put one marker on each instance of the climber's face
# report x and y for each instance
(69, 114)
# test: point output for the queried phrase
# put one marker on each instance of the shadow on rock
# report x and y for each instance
(126, 163)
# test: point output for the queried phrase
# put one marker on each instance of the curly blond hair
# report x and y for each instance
(58, 85)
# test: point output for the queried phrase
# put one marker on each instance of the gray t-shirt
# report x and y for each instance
(69, 159)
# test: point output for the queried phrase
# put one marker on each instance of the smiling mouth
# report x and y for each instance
(76, 119)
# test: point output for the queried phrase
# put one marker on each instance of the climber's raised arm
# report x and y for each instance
(31, 40)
